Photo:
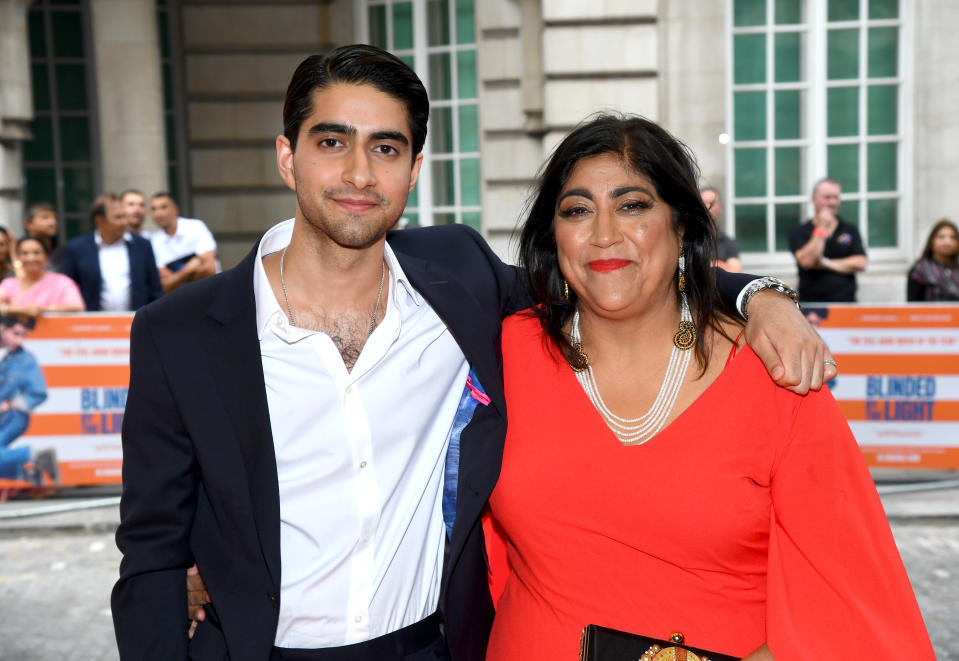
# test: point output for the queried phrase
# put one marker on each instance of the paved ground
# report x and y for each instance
(56, 573)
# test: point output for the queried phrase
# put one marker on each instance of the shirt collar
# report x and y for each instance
(98, 239)
(276, 239)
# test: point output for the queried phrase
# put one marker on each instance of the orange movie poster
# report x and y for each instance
(898, 382)
(63, 388)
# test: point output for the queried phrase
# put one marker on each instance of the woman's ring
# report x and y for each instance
(830, 361)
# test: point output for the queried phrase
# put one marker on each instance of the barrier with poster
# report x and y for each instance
(63, 388)
(898, 382)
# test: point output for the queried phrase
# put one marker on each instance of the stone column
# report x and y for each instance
(16, 109)
(130, 95)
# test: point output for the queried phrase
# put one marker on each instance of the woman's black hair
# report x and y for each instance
(644, 148)
(24, 239)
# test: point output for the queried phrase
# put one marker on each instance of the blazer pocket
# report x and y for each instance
(208, 642)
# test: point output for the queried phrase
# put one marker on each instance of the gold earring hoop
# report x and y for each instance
(565, 290)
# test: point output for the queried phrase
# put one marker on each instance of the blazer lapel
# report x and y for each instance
(233, 349)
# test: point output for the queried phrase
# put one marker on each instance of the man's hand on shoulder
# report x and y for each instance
(791, 349)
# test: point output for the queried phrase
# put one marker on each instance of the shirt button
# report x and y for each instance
(349, 390)
(358, 618)
(362, 464)
(279, 321)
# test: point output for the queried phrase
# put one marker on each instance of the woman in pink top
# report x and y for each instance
(36, 290)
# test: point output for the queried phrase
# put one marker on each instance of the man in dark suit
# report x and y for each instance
(269, 434)
(114, 268)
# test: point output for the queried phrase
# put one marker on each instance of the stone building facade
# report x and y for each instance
(186, 95)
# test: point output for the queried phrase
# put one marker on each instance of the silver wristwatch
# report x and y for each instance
(764, 283)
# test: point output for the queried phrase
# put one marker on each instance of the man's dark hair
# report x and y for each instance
(132, 191)
(165, 194)
(99, 207)
(644, 148)
(358, 64)
(11, 320)
(36, 208)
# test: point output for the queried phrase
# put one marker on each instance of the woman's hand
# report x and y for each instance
(788, 345)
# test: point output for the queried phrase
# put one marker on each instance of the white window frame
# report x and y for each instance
(426, 209)
(814, 140)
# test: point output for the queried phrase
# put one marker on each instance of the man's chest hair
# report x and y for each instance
(348, 330)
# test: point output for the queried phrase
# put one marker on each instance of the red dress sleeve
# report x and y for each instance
(834, 572)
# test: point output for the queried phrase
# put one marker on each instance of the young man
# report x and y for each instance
(269, 434)
(41, 223)
(135, 205)
(727, 250)
(184, 247)
(828, 250)
(114, 268)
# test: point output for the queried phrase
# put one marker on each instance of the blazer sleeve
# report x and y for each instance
(160, 485)
(154, 289)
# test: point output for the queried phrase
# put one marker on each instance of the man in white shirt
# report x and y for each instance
(184, 247)
(270, 435)
(114, 268)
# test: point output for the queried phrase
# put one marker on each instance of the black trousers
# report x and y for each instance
(422, 641)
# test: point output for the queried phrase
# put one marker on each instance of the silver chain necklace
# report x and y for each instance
(289, 308)
(636, 431)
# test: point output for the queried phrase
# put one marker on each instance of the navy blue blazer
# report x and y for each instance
(81, 262)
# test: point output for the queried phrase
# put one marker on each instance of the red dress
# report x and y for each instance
(750, 518)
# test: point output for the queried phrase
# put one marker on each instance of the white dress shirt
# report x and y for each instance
(114, 273)
(360, 458)
(192, 237)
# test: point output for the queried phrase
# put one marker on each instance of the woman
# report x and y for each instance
(36, 290)
(935, 277)
(669, 484)
(6, 264)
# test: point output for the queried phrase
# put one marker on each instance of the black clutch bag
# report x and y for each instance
(602, 644)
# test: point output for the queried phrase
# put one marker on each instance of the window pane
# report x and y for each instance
(466, 74)
(41, 87)
(444, 218)
(842, 50)
(470, 182)
(412, 219)
(38, 37)
(788, 170)
(71, 87)
(443, 194)
(465, 28)
(41, 147)
(843, 10)
(749, 12)
(883, 51)
(751, 227)
(163, 32)
(469, 129)
(74, 139)
(842, 111)
(849, 212)
(883, 8)
(788, 216)
(403, 25)
(882, 223)
(408, 60)
(472, 218)
(842, 164)
(788, 68)
(74, 226)
(77, 188)
(41, 185)
(788, 115)
(166, 72)
(749, 57)
(174, 186)
(414, 199)
(440, 84)
(749, 112)
(67, 34)
(882, 110)
(441, 131)
(788, 12)
(881, 166)
(438, 22)
(750, 172)
(377, 18)
(170, 137)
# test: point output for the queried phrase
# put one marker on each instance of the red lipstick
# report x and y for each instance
(608, 265)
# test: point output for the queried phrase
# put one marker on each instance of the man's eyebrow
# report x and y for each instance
(396, 136)
(332, 127)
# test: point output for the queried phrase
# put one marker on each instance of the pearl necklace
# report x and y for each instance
(289, 308)
(636, 431)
